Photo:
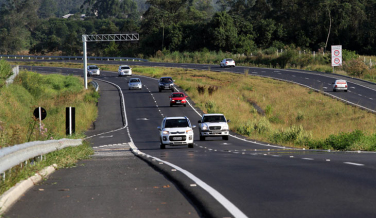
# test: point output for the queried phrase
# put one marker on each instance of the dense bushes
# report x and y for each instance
(5, 72)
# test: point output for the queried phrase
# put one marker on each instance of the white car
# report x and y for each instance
(134, 83)
(340, 84)
(213, 125)
(124, 70)
(227, 62)
(176, 131)
(93, 70)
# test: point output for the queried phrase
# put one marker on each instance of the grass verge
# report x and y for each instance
(52, 92)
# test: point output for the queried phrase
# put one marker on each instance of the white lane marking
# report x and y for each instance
(352, 87)
(370, 98)
(355, 164)
(306, 158)
(106, 136)
(359, 94)
(325, 87)
(306, 78)
(218, 196)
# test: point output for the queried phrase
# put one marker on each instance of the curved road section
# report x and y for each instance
(258, 179)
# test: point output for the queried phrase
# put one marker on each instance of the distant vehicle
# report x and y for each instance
(134, 83)
(227, 62)
(176, 131)
(213, 125)
(166, 83)
(124, 70)
(340, 84)
(93, 70)
(178, 98)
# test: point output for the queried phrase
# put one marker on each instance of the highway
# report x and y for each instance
(253, 179)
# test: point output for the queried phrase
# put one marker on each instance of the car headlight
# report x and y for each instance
(165, 132)
(205, 127)
(188, 131)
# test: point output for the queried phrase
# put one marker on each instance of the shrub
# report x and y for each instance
(5, 72)
(349, 55)
(344, 140)
(355, 67)
(212, 89)
(211, 107)
(201, 89)
(294, 134)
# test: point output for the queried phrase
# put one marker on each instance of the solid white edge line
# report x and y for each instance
(355, 164)
(214, 193)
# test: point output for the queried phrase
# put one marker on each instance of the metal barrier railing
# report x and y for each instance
(18, 154)
(33, 57)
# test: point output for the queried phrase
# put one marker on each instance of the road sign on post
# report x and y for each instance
(336, 56)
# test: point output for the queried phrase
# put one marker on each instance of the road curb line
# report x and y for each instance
(13, 194)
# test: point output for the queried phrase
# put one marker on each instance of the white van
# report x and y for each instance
(340, 84)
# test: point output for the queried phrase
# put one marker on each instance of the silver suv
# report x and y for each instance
(176, 131)
(213, 125)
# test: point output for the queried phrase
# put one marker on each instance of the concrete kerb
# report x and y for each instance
(206, 205)
(12, 195)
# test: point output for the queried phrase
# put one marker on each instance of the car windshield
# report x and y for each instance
(125, 68)
(93, 67)
(175, 123)
(166, 80)
(177, 95)
(213, 119)
(134, 80)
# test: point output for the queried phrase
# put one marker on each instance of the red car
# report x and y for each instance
(178, 98)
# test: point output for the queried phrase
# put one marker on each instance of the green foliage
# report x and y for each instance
(92, 97)
(355, 67)
(5, 72)
(349, 55)
(295, 134)
(355, 140)
(260, 126)
(49, 85)
(211, 107)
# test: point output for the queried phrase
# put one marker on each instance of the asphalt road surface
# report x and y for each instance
(247, 178)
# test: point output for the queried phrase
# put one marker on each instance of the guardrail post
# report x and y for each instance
(133, 60)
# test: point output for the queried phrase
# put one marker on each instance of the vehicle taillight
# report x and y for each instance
(226, 62)
(346, 86)
(335, 86)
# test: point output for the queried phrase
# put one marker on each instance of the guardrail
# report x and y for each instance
(18, 154)
(95, 85)
(16, 71)
(33, 57)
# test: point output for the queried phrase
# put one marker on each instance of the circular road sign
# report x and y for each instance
(43, 113)
(336, 52)
(337, 61)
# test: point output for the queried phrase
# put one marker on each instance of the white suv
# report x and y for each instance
(124, 70)
(176, 131)
(213, 125)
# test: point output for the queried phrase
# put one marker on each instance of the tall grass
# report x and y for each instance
(52, 92)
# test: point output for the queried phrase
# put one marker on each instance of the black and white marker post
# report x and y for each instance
(40, 113)
(70, 123)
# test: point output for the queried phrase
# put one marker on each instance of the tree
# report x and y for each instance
(223, 31)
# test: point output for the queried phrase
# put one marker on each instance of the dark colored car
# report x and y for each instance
(178, 98)
(166, 83)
